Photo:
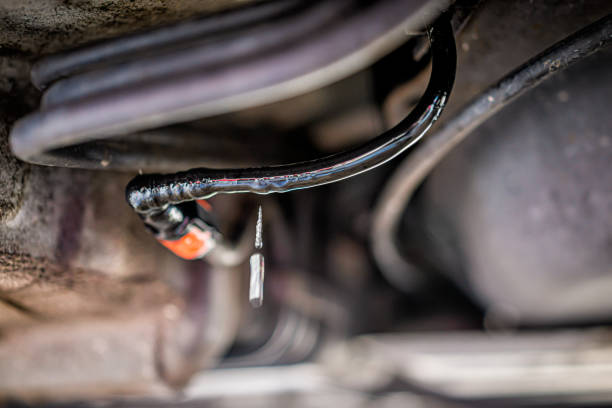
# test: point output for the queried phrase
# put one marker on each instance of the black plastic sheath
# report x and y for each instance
(151, 193)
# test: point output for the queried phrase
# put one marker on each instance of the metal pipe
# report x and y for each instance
(411, 173)
(206, 54)
(54, 67)
(47, 137)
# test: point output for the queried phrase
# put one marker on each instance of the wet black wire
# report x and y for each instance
(153, 192)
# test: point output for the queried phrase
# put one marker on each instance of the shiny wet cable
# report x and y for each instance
(150, 193)
(411, 173)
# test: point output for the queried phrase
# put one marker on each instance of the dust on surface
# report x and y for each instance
(36, 27)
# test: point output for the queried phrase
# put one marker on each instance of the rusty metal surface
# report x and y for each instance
(73, 358)
(36, 27)
(89, 304)
(68, 244)
(73, 238)
(144, 353)
(74, 272)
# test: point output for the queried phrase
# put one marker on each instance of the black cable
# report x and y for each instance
(153, 192)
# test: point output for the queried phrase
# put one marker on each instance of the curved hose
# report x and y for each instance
(262, 63)
(121, 50)
(416, 167)
(150, 193)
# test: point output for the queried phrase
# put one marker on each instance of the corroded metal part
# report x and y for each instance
(89, 304)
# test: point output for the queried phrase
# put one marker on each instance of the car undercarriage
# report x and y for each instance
(291, 203)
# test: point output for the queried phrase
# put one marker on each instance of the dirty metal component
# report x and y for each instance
(143, 353)
(76, 359)
(88, 302)
(12, 178)
(328, 54)
(534, 207)
(68, 247)
(150, 193)
(89, 294)
(38, 27)
(413, 171)
(196, 338)
(70, 251)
